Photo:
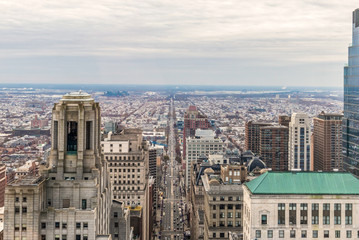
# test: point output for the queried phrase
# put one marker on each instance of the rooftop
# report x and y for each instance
(305, 183)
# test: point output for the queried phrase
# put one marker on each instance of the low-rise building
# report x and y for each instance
(286, 205)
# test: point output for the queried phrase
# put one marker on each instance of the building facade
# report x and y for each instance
(127, 155)
(327, 142)
(252, 135)
(299, 142)
(71, 199)
(351, 104)
(273, 148)
(222, 208)
(193, 120)
(301, 205)
(200, 146)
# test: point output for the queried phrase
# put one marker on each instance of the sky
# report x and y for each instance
(199, 42)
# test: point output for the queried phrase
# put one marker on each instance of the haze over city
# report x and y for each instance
(282, 43)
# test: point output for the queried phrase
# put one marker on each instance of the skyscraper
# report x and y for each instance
(299, 142)
(71, 199)
(327, 142)
(351, 103)
(252, 135)
(274, 147)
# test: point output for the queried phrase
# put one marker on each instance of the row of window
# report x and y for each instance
(229, 224)
(127, 188)
(229, 206)
(305, 234)
(229, 215)
(124, 170)
(122, 158)
(230, 198)
(64, 225)
(64, 237)
(123, 164)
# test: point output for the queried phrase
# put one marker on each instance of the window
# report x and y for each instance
(221, 235)
(270, 234)
(349, 234)
(281, 213)
(214, 215)
(326, 220)
(24, 209)
(78, 237)
(85, 225)
(337, 233)
(258, 233)
(214, 207)
(281, 233)
(315, 233)
(17, 209)
(348, 220)
(337, 206)
(221, 198)
(214, 235)
(326, 233)
(292, 213)
(55, 137)
(43, 237)
(84, 204)
(292, 233)
(64, 237)
(85, 237)
(88, 134)
(57, 225)
(78, 225)
(303, 213)
(64, 225)
(304, 233)
(43, 225)
(24, 199)
(264, 219)
(65, 203)
(326, 206)
(337, 220)
(17, 199)
(229, 214)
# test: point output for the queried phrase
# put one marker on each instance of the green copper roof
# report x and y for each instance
(305, 183)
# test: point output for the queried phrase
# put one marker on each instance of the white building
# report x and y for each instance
(311, 205)
(299, 142)
(203, 144)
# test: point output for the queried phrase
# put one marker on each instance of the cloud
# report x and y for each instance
(271, 32)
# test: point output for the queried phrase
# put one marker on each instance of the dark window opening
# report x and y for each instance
(88, 134)
(71, 137)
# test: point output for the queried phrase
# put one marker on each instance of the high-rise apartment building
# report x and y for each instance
(327, 142)
(273, 147)
(252, 135)
(71, 199)
(351, 103)
(284, 120)
(299, 142)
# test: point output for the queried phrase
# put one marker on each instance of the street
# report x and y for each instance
(172, 203)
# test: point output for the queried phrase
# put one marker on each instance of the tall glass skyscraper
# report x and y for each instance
(351, 103)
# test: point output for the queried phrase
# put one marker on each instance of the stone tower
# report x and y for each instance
(72, 197)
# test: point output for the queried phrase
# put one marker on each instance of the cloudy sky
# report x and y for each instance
(212, 42)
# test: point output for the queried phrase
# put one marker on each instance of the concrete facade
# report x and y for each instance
(71, 199)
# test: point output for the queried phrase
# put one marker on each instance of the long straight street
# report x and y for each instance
(172, 204)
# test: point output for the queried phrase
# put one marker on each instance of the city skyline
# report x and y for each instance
(163, 42)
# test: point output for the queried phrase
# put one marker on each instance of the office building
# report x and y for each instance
(127, 155)
(193, 120)
(301, 205)
(252, 135)
(299, 142)
(204, 143)
(222, 207)
(71, 199)
(284, 120)
(351, 104)
(273, 148)
(327, 142)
